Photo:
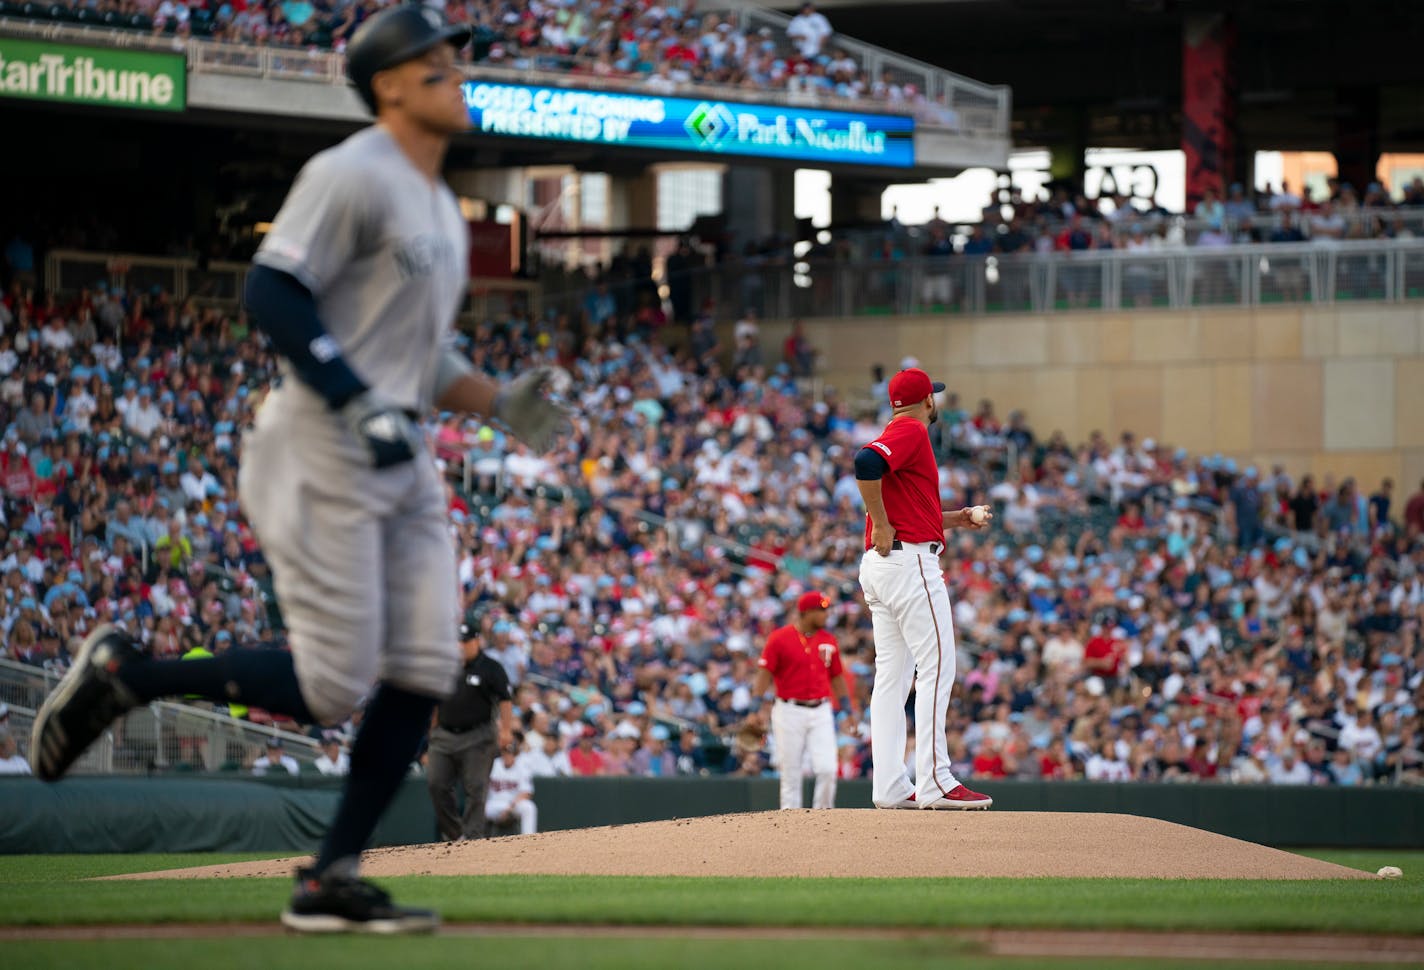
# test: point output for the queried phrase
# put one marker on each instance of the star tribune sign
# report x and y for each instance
(710, 124)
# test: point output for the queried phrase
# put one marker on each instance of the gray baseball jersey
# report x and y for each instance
(386, 254)
(362, 560)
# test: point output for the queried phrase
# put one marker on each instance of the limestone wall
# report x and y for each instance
(1338, 389)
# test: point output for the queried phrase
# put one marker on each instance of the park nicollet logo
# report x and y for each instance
(709, 124)
(713, 125)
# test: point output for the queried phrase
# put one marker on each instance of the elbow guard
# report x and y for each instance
(285, 311)
(870, 466)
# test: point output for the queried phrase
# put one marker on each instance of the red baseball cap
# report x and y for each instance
(812, 601)
(912, 385)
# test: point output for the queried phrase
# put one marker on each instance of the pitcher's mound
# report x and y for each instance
(847, 842)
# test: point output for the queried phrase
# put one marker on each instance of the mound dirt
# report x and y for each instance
(844, 842)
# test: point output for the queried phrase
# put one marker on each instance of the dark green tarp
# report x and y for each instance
(218, 813)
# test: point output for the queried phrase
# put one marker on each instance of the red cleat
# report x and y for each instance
(962, 799)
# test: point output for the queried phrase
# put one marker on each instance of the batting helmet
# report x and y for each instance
(393, 37)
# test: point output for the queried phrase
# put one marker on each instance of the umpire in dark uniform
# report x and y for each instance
(474, 722)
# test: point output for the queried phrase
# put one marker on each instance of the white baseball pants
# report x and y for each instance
(527, 811)
(914, 643)
(805, 734)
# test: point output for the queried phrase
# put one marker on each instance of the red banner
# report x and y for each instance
(491, 252)
(1208, 104)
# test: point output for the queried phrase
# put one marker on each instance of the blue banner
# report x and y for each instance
(684, 124)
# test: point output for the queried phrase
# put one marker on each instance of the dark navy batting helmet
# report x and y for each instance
(393, 37)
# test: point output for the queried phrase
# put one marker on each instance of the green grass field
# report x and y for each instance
(529, 953)
(39, 891)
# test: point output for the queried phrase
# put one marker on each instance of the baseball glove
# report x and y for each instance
(529, 413)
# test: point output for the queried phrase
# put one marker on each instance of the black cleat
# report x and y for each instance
(87, 700)
(338, 903)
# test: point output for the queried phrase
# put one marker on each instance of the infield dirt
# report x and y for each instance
(843, 842)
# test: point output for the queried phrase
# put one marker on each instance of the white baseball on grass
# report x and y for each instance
(1390, 872)
(978, 515)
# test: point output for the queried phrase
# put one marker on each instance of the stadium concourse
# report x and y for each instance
(1137, 613)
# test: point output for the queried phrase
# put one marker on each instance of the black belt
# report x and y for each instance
(816, 703)
(935, 547)
(462, 730)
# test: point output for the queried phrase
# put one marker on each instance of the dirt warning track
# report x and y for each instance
(1317, 948)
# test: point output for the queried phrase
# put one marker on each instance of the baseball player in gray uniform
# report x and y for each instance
(357, 286)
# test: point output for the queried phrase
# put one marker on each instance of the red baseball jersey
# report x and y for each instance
(801, 667)
(911, 487)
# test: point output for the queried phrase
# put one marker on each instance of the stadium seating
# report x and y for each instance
(632, 576)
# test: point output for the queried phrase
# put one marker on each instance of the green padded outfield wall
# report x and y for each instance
(218, 813)
(195, 813)
(1283, 816)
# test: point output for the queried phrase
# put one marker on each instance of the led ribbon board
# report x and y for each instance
(689, 125)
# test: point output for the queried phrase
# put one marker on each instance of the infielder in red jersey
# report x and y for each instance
(909, 604)
(804, 661)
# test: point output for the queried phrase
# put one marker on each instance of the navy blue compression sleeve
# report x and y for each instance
(869, 465)
(285, 311)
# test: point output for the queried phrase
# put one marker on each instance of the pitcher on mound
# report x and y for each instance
(909, 604)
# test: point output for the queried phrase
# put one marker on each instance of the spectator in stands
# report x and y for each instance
(1288, 230)
(1021, 513)
(688, 755)
(1379, 505)
(797, 353)
(11, 761)
(275, 760)
(938, 286)
(35, 423)
(1288, 769)
(1414, 515)
(333, 761)
(616, 619)
(809, 30)
(1107, 765)
(548, 760)
(1327, 223)
(1304, 505)
(20, 260)
(585, 759)
(653, 759)
(1237, 206)
(1246, 501)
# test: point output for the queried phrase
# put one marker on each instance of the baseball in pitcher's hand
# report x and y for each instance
(966, 518)
(881, 536)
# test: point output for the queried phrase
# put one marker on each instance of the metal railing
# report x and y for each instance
(163, 736)
(220, 284)
(951, 102)
(1185, 278)
(67, 271)
(1179, 278)
(948, 101)
(1361, 224)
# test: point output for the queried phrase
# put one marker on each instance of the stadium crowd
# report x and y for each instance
(1137, 613)
(1065, 221)
(1058, 219)
(665, 46)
